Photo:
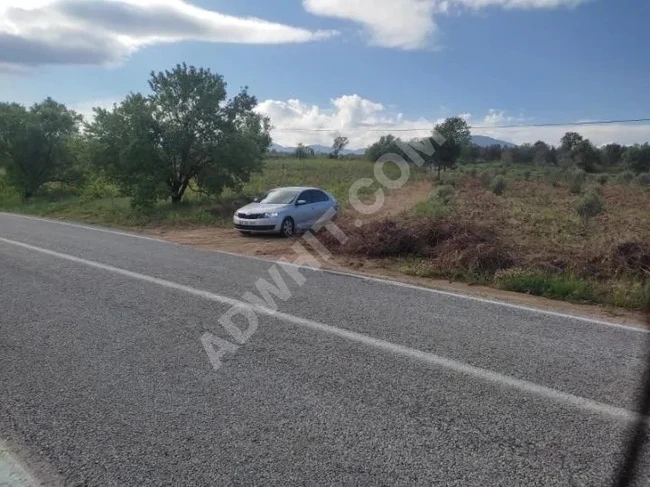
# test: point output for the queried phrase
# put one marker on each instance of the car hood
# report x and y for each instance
(261, 208)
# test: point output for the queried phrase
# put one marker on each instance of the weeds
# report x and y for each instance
(498, 185)
(590, 206)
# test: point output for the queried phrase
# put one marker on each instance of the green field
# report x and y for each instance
(99, 202)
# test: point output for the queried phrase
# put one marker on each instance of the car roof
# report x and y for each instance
(298, 188)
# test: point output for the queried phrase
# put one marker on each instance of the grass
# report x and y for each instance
(568, 287)
(94, 205)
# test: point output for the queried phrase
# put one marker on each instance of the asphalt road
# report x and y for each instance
(104, 379)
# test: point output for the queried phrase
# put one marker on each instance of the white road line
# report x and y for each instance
(407, 352)
(492, 302)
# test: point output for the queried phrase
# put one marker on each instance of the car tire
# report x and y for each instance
(288, 227)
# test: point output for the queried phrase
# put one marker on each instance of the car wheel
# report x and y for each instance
(288, 228)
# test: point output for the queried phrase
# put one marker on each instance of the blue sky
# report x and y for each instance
(358, 67)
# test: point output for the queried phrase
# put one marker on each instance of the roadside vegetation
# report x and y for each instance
(568, 222)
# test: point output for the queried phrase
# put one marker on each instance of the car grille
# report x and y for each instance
(250, 217)
(255, 228)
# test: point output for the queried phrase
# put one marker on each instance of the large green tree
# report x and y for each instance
(338, 145)
(585, 156)
(387, 144)
(457, 136)
(637, 158)
(612, 154)
(304, 151)
(185, 131)
(569, 141)
(36, 144)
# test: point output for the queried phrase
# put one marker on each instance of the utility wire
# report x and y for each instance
(491, 127)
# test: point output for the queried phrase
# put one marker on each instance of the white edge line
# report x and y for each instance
(87, 227)
(14, 470)
(493, 302)
(486, 375)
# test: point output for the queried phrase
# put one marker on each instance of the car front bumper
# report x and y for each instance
(262, 225)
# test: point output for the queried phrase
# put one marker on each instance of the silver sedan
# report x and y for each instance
(286, 211)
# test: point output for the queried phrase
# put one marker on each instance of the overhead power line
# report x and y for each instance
(491, 127)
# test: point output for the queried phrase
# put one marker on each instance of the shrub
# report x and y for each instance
(527, 175)
(445, 194)
(589, 206)
(625, 177)
(576, 179)
(602, 179)
(485, 178)
(643, 179)
(432, 209)
(96, 188)
(498, 185)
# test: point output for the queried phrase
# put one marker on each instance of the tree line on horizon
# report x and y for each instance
(187, 132)
(573, 150)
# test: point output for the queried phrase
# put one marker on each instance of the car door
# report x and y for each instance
(304, 214)
(322, 204)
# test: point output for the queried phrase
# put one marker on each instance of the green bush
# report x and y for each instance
(589, 206)
(527, 175)
(626, 177)
(485, 177)
(97, 188)
(576, 179)
(9, 196)
(643, 179)
(445, 194)
(498, 186)
(602, 179)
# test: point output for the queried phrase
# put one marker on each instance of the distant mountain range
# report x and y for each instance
(480, 140)
(485, 141)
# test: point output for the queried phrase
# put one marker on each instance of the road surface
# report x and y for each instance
(105, 379)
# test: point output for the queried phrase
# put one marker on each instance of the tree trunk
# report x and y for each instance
(178, 191)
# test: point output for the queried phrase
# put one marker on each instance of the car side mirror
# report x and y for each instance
(256, 200)
(301, 202)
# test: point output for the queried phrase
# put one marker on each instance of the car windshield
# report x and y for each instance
(280, 197)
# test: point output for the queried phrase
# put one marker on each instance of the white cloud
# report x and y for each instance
(36, 32)
(364, 121)
(410, 24)
(390, 23)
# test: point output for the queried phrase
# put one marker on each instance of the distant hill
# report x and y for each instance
(485, 141)
(480, 140)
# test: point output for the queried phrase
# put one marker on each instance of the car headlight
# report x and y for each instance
(270, 215)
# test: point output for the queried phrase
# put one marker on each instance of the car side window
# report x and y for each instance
(306, 196)
(320, 197)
